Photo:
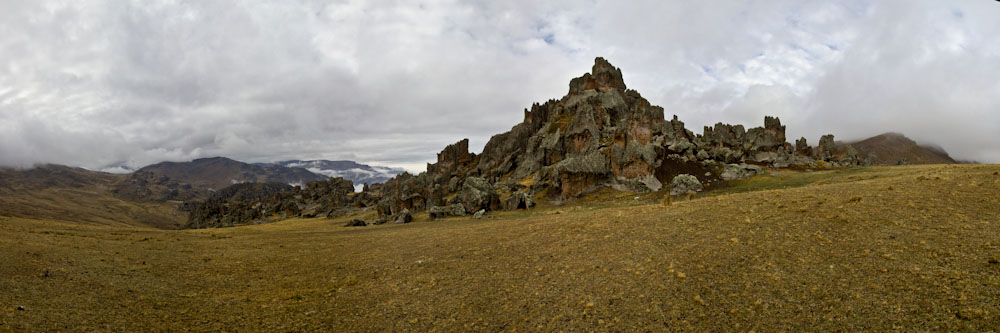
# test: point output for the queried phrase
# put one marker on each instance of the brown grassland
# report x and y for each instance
(912, 248)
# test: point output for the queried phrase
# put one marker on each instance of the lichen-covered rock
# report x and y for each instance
(647, 183)
(478, 194)
(457, 210)
(437, 212)
(593, 163)
(685, 183)
(739, 171)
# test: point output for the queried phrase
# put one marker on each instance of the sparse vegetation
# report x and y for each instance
(805, 257)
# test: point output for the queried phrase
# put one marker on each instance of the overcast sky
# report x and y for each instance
(99, 84)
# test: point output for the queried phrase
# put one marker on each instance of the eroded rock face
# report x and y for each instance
(518, 200)
(802, 147)
(602, 76)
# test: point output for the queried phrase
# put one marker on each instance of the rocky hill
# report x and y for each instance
(77, 195)
(197, 179)
(601, 134)
(896, 148)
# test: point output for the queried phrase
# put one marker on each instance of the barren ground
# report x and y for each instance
(910, 248)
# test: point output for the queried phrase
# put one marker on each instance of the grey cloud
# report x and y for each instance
(103, 83)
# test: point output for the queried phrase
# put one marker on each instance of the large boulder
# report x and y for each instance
(404, 217)
(740, 171)
(685, 183)
(437, 212)
(356, 223)
(457, 210)
(477, 194)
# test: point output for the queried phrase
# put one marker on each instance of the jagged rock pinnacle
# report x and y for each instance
(603, 75)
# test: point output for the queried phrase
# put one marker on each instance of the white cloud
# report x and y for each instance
(102, 84)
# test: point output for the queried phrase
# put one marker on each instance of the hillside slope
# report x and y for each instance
(862, 249)
(896, 148)
(77, 195)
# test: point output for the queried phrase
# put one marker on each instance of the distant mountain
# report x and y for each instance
(896, 148)
(196, 179)
(52, 176)
(353, 171)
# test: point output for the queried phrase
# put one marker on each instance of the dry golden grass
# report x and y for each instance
(910, 248)
(80, 196)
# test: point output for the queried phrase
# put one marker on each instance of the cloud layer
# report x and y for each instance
(100, 84)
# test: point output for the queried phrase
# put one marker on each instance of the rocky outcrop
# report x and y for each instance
(601, 134)
(837, 153)
(437, 212)
(261, 202)
(518, 200)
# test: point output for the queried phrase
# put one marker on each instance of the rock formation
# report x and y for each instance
(600, 134)
(249, 202)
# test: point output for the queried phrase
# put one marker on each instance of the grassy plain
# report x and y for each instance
(910, 248)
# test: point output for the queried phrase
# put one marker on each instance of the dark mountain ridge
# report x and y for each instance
(198, 178)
